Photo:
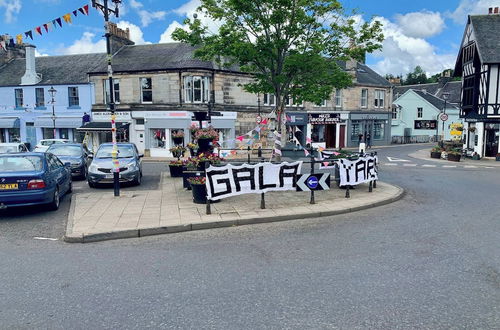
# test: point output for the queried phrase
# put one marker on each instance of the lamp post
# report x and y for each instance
(445, 98)
(53, 92)
(114, 154)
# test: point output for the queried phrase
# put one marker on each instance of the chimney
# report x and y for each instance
(119, 37)
(395, 81)
(11, 51)
(30, 76)
(493, 11)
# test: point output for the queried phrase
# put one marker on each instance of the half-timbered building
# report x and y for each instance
(478, 63)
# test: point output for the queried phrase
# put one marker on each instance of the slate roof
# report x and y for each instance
(486, 30)
(435, 101)
(366, 76)
(453, 88)
(60, 70)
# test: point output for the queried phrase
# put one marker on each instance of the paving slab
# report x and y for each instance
(101, 216)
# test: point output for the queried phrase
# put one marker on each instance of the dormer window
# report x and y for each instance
(196, 89)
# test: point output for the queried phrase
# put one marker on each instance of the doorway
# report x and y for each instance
(331, 136)
(342, 136)
(31, 135)
(491, 142)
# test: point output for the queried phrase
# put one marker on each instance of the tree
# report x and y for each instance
(418, 76)
(291, 47)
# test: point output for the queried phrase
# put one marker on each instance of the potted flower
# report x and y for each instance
(193, 148)
(199, 189)
(205, 136)
(436, 152)
(189, 169)
(175, 167)
(178, 151)
(454, 155)
(178, 137)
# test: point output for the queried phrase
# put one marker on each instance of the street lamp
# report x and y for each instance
(445, 98)
(53, 92)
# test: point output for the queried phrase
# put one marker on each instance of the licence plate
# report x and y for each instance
(9, 186)
(109, 176)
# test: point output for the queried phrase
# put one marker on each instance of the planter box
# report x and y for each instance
(199, 193)
(175, 171)
(436, 155)
(188, 174)
(178, 140)
(205, 145)
(454, 158)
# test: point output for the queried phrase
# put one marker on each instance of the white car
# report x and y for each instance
(9, 148)
(43, 145)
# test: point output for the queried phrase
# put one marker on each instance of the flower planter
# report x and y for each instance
(204, 145)
(178, 140)
(454, 157)
(189, 174)
(435, 154)
(175, 171)
(199, 193)
(177, 154)
(193, 152)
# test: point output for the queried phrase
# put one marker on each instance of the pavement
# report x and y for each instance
(170, 209)
(425, 154)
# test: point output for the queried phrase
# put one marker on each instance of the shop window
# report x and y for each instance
(378, 130)
(146, 90)
(18, 92)
(14, 134)
(420, 112)
(73, 97)
(48, 133)
(364, 97)
(379, 98)
(39, 97)
(64, 133)
(196, 89)
(269, 99)
(355, 130)
(116, 90)
(318, 133)
(159, 138)
(338, 98)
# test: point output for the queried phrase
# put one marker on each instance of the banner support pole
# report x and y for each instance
(347, 193)
(262, 201)
(209, 210)
(311, 155)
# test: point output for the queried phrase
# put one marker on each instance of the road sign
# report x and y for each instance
(443, 117)
(308, 182)
(258, 119)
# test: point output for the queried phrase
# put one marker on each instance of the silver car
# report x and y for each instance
(101, 168)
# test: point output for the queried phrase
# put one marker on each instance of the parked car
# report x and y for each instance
(43, 145)
(8, 148)
(101, 168)
(74, 153)
(33, 179)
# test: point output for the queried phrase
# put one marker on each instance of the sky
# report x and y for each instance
(417, 32)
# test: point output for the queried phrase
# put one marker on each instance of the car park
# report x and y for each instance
(130, 163)
(43, 145)
(7, 148)
(33, 179)
(74, 153)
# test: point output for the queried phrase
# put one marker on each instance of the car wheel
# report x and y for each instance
(138, 180)
(91, 184)
(70, 186)
(56, 200)
(84, 175)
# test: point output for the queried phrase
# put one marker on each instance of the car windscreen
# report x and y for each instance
(8, 149)
(20, 163)
(64, 150)
(124, 151)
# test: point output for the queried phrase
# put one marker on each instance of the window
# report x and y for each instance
(394, 113)
(146, 90)
(378, 130)
(19, 97)
(338, 98)
(322, 104)
(379, 98)
(269, 99)
(290, 102)
(48, 133)
(364, 98)
(420, 112)
(196, 89)
(139, 121)
(116, 90)
(355, 130)
(40, 97)
(64, 133)
(73, 98)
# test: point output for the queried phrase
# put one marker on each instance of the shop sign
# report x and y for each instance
(297, 119)
(106, 116)
(324, 118)
(425, 124)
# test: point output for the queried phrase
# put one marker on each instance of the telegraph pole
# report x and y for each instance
(114, 154)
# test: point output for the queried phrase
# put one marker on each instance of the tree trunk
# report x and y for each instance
(282, 130)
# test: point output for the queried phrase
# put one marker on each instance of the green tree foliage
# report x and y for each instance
(292, 47)
(418, 76)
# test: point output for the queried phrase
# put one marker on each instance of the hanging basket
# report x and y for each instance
(204, 145)
(178, 140)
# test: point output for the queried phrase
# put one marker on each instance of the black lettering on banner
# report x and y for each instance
(288, 174)
(250, 177)
(262, 185)
(347, 169)
(226, 181)
(370, 169)
(360, 167)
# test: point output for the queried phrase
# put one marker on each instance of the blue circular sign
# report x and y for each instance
(312, 182)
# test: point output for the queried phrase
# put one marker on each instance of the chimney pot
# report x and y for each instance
(495, 10)
(490, 10)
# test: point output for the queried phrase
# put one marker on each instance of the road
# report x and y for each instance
(429, 261)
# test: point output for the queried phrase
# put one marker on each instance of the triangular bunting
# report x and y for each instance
(67, 18)
(233, 152)
(58, 21)
(39, 30)
(240, 138)
(81, 11)
(86, 9)
(19, 39)
(75, 12)
(306, 152)
(263, 122)
(308, 140)
(326, 163)
(11, 42)
(29, 34)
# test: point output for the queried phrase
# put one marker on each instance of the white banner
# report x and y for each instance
(357, 171)
(232, 180)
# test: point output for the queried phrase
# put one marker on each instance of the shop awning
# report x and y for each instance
(61, 122)
(97, 126)
(9, 122)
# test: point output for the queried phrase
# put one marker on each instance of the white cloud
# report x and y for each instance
(401, 53)
(38, 54)
(166, 36)
(147, 17)
(471, 7)
(135, 4)
(136, 34)
(422, 24)
(84, 45)
(12, 8)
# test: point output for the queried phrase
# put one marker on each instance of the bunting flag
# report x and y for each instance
(29, 34)
(2, 45)
(306, 152)
(81, 10)
(240, 138)
(19, 39)
(11, 43)
(277, 151)
(233, 152)
(67, 18)
(249, 142)
(86, 9)
(277, 134)
(75, 12)
(258, 129)
(264, 121)
(241, 147)
(38, 30)
(321, 149)
(278, 142)
(46, 27)
(308, 140)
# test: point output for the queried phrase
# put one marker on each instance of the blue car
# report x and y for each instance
(33, 179)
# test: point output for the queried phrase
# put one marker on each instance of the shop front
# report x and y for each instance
(328, 130)
(369, 127)
(483, 137)
(491, 139)
(10, 129)
(65, 127)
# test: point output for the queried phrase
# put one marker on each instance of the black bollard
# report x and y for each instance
(347, 193)
(248, 154)
(374, 183)
(262, 201)
(259, 152)
(209, 210)
(370, 187)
